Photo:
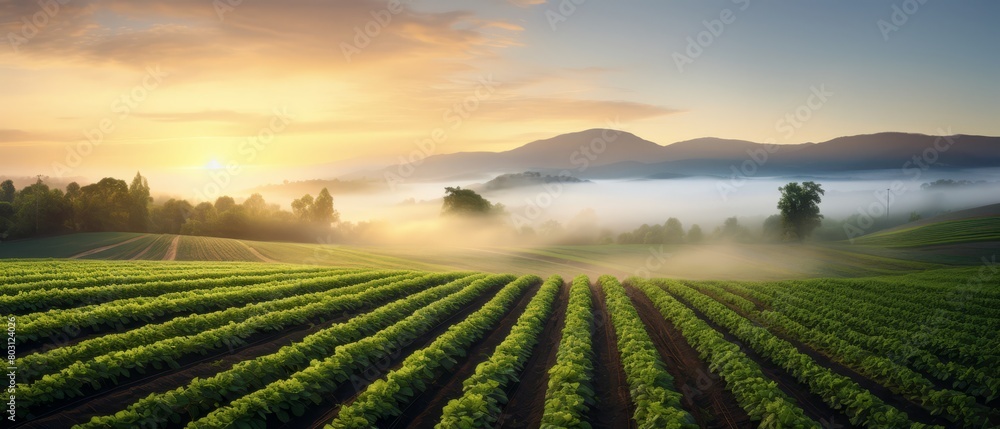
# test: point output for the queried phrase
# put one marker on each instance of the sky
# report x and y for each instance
(100, 87)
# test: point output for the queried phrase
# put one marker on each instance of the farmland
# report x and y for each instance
(105, 344)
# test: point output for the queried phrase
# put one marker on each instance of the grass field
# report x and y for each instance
(708, 261)
(940, 233)
(104, 344)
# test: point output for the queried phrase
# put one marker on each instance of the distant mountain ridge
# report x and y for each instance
(607, 154)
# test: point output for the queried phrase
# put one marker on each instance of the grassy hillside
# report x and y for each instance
(709, 261)
(938, 233)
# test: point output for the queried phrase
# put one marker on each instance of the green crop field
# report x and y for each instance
(114, 344)
(940, 233)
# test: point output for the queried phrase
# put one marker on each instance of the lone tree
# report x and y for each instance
(467, 202)
(799, 205)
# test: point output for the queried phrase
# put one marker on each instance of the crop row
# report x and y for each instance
(570, 389)
(47, 362)
(651, 386)
(842, 334)
(69, 381)
(759, 396)
(902, 380)
(121, 312)
(383, 398)
(323, 377)
(202, 395)
(43, 299)
(840, 392)
(483, 393)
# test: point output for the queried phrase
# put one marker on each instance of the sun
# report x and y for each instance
(213, 164)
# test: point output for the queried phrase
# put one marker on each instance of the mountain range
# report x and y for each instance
(612, 154)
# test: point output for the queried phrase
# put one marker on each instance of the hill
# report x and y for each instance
(606, 154)
(757, 262)
(981, 224)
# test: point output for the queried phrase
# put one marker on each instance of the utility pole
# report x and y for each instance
(887, 205)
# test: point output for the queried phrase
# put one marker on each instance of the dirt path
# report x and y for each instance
(425, 410)
(172, 251)
(101, 249)
(614, 410)
(146, 250)
(705, 393)
(527, 397)
(258, 254)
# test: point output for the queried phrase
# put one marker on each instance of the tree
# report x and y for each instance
(302, 207)
(551, 228)
(799, 205)
(39, 210)
(322, 211)
(7, 191)
(224, 203)
(255, 206)
(695, 235)
(172, 215)
(138, 215)
(773, 229)
(458, 201)
(673, 231)
(104, 206)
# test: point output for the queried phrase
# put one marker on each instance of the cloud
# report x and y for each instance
(526, 3)
(8, 135)
(567, 109)
(230, 116)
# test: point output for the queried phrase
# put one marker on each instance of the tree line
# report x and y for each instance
(114, 205)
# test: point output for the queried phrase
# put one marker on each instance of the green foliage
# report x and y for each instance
(757, 395)
(799, 205)
(323, 376)
(570, 391)
(947, 232)
(7, 191)
(384, 398)
(139, 199)
(483, 393)
(695, 235)
(200, 396)
(466, 202)
(657, 405)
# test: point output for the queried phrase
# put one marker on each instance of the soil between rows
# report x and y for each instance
(614, 408)
(425, 410)
(913, 411)
(527, 397)
(317, 416)
(705, 394)
(119, 397)
(811, 404)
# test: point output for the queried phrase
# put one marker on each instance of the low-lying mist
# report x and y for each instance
(557, 212)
